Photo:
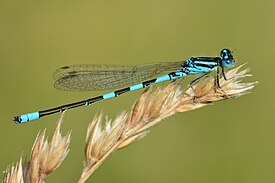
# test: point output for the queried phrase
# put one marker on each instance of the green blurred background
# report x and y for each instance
(231, 141)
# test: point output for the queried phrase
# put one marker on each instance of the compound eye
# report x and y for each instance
(225, 52)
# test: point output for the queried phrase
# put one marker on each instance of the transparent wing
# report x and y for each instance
(105, 77)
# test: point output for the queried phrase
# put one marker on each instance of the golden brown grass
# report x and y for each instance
(106, 136)
(45, 157)
(150, 109)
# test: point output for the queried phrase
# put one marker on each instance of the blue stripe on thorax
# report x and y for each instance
(206, 63)
(199, 67)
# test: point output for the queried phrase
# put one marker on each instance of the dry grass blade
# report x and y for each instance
(45, 157)
(100, 141)
(205, 92)
(151, 108)
(14, 174)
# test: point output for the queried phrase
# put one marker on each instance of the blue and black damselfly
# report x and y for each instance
(105, 77)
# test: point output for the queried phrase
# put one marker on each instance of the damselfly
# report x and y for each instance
(105, 77)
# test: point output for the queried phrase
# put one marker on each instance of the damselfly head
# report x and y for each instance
(227, 59)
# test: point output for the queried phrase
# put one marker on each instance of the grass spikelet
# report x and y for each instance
(151, 108)
(14, 174)
(45, 157)
(100, 141)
